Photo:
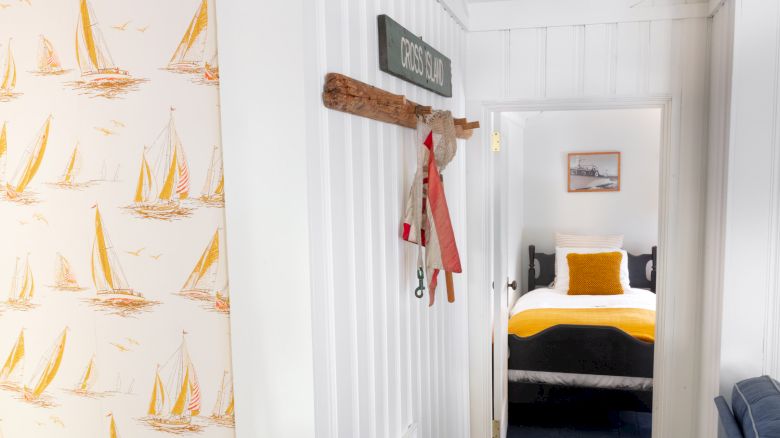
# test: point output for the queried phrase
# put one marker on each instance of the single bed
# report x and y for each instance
(557, 362)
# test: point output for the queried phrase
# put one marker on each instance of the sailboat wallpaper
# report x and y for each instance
(114, 292)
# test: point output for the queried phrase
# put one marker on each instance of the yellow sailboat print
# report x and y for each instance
(175, 415)
(208, 279)
(28, 167)
(161, 188)
(68, 180)
(22, 287)
(213, 193)
(99, 74)
(8, 75)
(224, 407)
(65, 279)
(197, 50)
(46, 373)
(48, 61)
(3, 153)
(112, 290)
(112, 433)
(84, 385)
(10, 374)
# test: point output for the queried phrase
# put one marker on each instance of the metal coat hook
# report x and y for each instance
(421, 286)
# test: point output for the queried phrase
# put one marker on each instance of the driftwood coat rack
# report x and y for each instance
(343, 93)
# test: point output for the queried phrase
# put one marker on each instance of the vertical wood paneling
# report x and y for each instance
(524, 62)
(394, 362)
(660, 58)
(628, 59)
(597, 60)
(561, 61)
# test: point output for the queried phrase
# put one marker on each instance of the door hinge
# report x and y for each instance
(496, 429)
(495, 141)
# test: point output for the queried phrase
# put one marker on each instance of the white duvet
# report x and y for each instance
(559, 299)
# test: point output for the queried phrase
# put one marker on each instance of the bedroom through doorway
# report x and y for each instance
(574, 192)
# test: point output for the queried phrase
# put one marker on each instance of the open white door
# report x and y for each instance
(498, 226)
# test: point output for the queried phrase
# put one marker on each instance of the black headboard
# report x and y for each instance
(637, 269)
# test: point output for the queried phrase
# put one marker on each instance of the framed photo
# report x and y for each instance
(594, 172)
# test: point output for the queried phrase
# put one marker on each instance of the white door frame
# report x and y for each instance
(478, 255)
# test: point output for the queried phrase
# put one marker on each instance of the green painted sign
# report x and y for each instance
(407, 56)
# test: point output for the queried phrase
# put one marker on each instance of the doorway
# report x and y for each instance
(528, 202)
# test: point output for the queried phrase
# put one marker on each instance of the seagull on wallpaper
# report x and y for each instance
(105, 131)
(156, 257)
(118, 124)
(136, 253)
(120, 347)
(121, 26)
(143, 29)
(57, 420)
(40, 217)
(133, 341)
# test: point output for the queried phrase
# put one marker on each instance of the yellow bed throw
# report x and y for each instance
(639, 323)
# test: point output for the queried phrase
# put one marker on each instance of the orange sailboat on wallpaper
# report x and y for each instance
(175, 414)
(3, 153)
(208, 280)
(22, 287)
(99, 73)
(161, 188)
(68, 180)
(112, 290)
(65, 278)
(197, 50)
(28, 167)
(213, 193)
(85, 383)
(48, 61)
(10, 374)
(223, 413)
(112, 431)
(47, 371)
(8, 76)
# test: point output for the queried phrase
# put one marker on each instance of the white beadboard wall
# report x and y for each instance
(383, 360)
(610, 61)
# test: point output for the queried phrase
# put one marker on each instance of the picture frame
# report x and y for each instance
(590, 172)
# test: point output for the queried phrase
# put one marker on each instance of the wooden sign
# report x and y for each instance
(407, 56)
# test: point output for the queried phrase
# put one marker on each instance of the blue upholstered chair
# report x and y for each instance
(756, 409)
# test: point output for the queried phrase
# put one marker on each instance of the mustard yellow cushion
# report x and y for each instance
(595, 274)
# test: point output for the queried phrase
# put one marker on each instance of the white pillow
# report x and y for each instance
(562, 265)
(564, 240)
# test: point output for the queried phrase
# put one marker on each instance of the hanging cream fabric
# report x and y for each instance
(426, 220)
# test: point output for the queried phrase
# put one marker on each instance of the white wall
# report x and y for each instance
(550, 208)
(751, 296)
(267, 216)
(611, 60)
(384, 360)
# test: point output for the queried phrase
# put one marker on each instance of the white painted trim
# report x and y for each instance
(458, 10)
(715, 226)
(479, 277)
(480, 320)
(491, 16)
(772, 319)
